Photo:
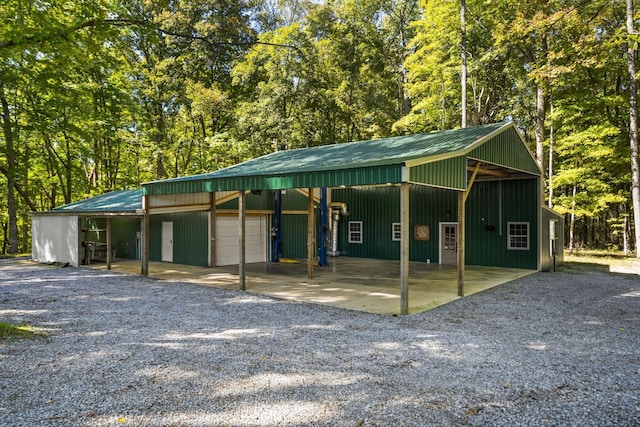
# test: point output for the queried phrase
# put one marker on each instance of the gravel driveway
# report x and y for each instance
(547, 349)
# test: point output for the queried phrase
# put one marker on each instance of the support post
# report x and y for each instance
(241, 240)
(277, 225)
(109, 243)
(404, 248)
(310, 235)
(145, 236)
(324, 227)
(212, 228)
(460, 245)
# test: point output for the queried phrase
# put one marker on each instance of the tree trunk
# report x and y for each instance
(633, 126)
(551, 161)
(572, 223)
(11, 167)
(540, 116)
(625, 237)
(463, 75)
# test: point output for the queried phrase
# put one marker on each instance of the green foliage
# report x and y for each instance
(105, 95)
(8, 330)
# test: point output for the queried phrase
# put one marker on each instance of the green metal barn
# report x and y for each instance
(470, 196)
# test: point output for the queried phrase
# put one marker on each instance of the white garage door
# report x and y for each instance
(227, 240)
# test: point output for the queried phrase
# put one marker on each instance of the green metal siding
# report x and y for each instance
(294, 235)
(123, 236)
(378, 208)
(359, 176)
(448, 173)
(430, 206)
(495, 203)
(506, 149)
(190, 237)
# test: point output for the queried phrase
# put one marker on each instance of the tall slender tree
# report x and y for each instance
(633, 122)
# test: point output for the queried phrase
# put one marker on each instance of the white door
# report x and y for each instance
(256, 234)
(449, 243)
(167, 241)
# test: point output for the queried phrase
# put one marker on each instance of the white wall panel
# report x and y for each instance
(55, 239)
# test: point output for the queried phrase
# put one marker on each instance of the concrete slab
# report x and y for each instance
(353, 283)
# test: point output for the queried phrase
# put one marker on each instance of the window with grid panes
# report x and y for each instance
(518, 235)
(355, 231)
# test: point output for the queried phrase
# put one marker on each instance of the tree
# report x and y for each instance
(633, 122)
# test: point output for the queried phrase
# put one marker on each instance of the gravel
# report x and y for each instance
(548, 349)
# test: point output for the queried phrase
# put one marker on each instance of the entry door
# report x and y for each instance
(449, 243)
(167, 241)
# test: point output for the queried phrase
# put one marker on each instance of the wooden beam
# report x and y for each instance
(404, 248)
(471, 181)
(109, 244)
(310, 234)
(489, 172)
(144, 238)
(461, 214)
(241, 240)
(212, 229)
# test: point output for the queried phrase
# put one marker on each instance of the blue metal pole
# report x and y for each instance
(324, 227)
(277, 232)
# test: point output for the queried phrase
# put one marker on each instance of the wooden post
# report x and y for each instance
(241, 240)
(109, 243)
(310, 236)
(461, 214)
(212, 228)
(404, 248)
(145, 236)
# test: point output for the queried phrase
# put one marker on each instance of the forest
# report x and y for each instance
(101, 95)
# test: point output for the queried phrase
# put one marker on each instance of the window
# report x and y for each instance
(396, 232)
(355, 231)
(553, 236)
(518, 235)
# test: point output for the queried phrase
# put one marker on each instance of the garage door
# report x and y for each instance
(227, 240)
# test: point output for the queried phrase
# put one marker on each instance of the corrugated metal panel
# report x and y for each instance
(358, 163)
(491, 203)
(190, 237)
(430, 206)
(363, 176)
(115, 201)
(448, 173)
(507, 149)
(294, 236)
(378, 208)
(182, 199)
(123, 236)
(490, 206)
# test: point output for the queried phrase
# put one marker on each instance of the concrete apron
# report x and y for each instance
(353, 283)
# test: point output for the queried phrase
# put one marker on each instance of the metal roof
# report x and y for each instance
(357, 163)
(122, 202)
